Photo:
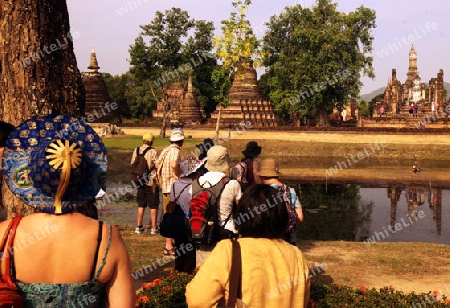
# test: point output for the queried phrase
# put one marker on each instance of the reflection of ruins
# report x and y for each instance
(435, 202)
(415, 197)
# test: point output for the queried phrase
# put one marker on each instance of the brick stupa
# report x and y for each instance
(96, 93)
(247, 102)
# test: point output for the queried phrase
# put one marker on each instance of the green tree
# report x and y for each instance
(177, 46)
(315, 57)
(364, 108)
(118, 87)
(236, 45)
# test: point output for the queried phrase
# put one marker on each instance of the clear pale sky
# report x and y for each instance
(111, 27)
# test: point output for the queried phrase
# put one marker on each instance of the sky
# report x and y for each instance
(112, 26)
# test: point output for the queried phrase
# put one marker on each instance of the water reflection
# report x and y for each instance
(370, 211)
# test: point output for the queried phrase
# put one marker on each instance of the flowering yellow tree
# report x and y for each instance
(237, 44)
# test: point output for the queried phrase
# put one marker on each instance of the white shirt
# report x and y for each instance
(230, 194)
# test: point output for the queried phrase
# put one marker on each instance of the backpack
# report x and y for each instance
(139, 168)
(293, 217)
(243, 173)
(204, 218)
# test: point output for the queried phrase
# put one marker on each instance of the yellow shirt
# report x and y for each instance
(274, 274)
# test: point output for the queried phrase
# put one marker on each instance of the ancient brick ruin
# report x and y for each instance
(97, 95)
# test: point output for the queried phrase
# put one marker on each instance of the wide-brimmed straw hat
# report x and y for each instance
(252, 149)
(268, 168)
(190, 165)
(54, 163)
(218, 159)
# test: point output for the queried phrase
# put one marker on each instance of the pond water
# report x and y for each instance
(394, 207)
(378, 213)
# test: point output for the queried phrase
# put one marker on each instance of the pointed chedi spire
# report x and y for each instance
(93, 64)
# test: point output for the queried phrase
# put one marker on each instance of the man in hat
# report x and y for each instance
(148, 192)
(202, 150)
(245, 172)
(168, 165)
(270, 175)
(218, 164)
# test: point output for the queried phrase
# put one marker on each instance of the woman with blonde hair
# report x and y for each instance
(61, 258)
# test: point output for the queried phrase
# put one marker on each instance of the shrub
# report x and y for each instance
(342, 296)
(167, 292)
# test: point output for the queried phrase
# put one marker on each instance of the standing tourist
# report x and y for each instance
(168, 165)
(245, 171)
(269, 263)
(181, 193)
(218, 165)
(203, 150)
(270, 175)
(147, 190)
(75, 259)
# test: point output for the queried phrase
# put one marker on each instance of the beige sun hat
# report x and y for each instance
(268, 168)
(218, 159)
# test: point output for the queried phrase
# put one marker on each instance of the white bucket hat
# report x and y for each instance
(176, 134)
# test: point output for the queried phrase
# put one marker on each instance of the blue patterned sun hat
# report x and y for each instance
(54, 163)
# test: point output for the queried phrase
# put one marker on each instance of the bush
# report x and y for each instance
(343, 296)
(169, 292)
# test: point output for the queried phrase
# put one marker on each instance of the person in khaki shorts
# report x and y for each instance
(148, 193)
(168, 165)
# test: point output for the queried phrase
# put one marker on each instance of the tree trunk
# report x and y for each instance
(323, 118)
(218, 122)
(166, 114)
(38, 69)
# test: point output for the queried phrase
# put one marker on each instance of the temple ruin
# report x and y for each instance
(398, 97)
(247, 103)
(97, 95)
(182, 104)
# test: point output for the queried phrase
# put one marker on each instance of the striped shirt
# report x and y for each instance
(168, 176)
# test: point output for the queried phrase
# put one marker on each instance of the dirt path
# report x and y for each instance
(405, 266)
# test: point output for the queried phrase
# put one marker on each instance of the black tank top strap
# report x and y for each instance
(99, 241)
